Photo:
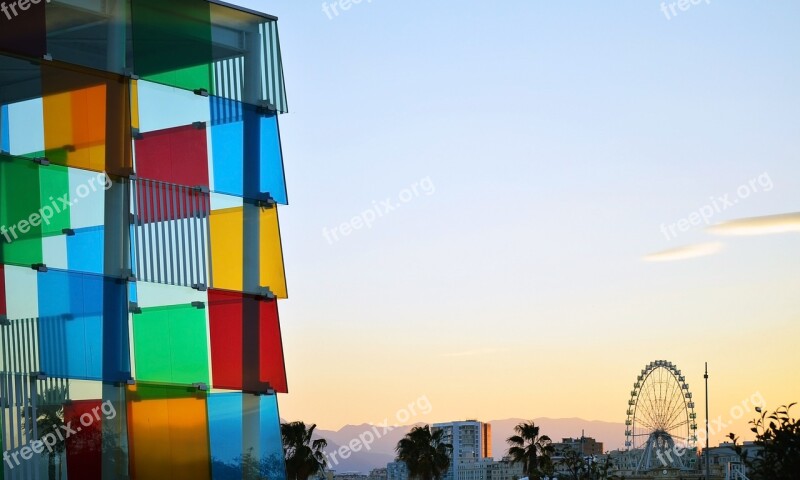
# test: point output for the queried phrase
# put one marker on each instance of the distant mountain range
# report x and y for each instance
(381, 450)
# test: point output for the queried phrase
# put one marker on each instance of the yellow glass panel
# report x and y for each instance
(271, 269)
(135, 104)
(168, 433)
(227, 256)
(227, 252)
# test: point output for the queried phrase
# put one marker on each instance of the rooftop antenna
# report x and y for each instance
(708, 458)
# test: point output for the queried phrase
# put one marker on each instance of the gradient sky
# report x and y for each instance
(559, 136)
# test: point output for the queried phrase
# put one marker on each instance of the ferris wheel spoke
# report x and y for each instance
(655, 403)
(662, 394)
(647, 398)
(677, 425)
(646, 406)
(670, 393)
(674, 408)
(677, 406)
(648, 425)
(642, 403)
(679, 412)
(650, 414)
(654, 397)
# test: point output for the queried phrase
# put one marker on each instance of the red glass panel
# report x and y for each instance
(246, 348)
(84, 449)
(175, 155)
(273, 368)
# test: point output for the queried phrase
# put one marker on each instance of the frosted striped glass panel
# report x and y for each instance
(170, 232)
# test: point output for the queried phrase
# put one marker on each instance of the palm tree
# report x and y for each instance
(304, 456)
(527, 446)
(424, 453)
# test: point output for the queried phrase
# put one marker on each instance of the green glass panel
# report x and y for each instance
(170, 345)
(189, 78)
(20, 241)
(183, 25)
(54, 191)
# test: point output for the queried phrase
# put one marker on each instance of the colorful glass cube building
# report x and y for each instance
(141, 264)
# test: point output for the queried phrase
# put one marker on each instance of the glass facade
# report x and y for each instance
(141, 263)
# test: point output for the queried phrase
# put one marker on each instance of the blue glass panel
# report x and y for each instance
(233, 446)
(225, 432)
(272, 460)
(227, 148)
(133, 293)
(5, 143)
(85, 250)
(246, 138)
(83, 326)
(272, 173)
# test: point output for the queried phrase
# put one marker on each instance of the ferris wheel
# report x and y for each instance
(660, 418)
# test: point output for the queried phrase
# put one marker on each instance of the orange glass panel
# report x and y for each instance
(168, 431)
(80, 129)
(87, 119)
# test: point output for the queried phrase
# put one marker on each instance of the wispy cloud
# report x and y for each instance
(683, 253)
(783, 223)
(470, 353)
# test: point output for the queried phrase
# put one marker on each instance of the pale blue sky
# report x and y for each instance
(559, 137)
